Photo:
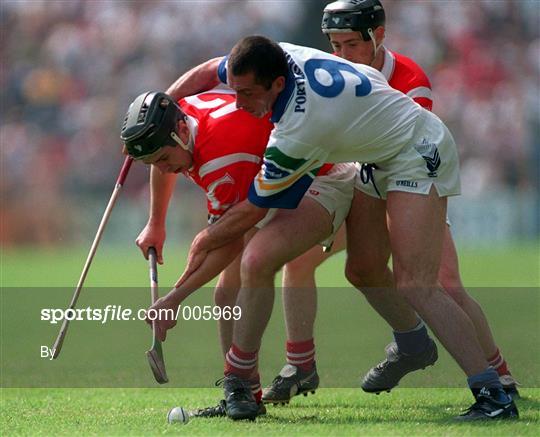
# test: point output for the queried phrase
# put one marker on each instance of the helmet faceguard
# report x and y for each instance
(150, 124)
(362, 16)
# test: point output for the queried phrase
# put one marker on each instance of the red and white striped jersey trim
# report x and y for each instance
(421, 91)
(404, 75)
(224, 161)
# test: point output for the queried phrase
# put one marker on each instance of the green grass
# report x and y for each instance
(350, 338)
(516, 265)
(329, 412)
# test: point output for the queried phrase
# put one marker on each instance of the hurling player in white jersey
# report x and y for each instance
(356, 32)
(326, 109)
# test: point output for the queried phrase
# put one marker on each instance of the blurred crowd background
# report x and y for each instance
(70, 69)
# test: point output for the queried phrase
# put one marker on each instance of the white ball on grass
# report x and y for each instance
(178, 415)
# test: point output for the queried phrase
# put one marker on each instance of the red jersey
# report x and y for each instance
(405, 75)
(228, 148)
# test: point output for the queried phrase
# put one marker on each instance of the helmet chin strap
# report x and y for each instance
(375, 46)
(190, 142)
(186, 146)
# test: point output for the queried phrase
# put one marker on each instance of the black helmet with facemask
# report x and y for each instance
(152, 123)
(362, 16)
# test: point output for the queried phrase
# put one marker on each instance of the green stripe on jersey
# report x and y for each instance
(281, 160)
(313, 172)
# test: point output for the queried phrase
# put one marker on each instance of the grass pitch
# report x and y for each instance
(336, 412)
(349, 338)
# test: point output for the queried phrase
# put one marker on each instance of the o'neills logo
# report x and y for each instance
(410, 184)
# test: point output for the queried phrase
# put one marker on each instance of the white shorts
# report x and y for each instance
(334, 191)
(430, 159)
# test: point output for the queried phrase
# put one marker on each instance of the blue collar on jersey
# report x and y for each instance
(284, 96)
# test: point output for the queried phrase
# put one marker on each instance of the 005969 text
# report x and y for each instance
(113, 313)
(206, 312)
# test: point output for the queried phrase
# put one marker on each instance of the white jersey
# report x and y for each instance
(331, 110)
(345, 109)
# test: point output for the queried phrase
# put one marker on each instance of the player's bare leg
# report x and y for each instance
(299, 375)
(274, 245)
(416, 226)
(299, 293)
(225, 294)
(450, 279)
(368, 252)
(300, 289)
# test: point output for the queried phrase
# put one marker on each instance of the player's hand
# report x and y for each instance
(163, 314)
(197, 255)
(152, 236)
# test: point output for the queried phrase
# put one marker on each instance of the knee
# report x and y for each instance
(458, 294)
(255, 264)
(353, 275)
(367, 273)
(450, 279)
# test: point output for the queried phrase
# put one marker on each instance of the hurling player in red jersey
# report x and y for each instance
(362, 42)
(221, 151)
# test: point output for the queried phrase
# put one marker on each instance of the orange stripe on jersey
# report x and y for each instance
(280, 185)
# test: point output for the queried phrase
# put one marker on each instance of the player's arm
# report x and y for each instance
(226, 234)
(233, 225)
(419, 89)
(216, 261)
(281, 183)
(154, 233)
(198, 79)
